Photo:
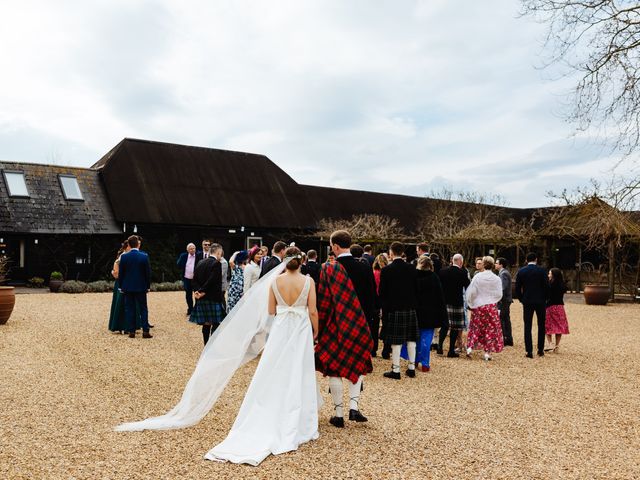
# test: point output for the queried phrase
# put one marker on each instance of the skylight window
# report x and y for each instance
(70, 187)
(16, 185)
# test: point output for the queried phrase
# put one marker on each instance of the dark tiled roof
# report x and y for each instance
(47, 211)
(162, 183)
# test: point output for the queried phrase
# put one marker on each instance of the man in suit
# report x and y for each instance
(345, 297)
(454, 279)
(135, 280)
(276, 258)
(532, 287)
(398, 299)
(206, 248)
(313, 268)
(368, 254)
(187, 262)
(505, 303)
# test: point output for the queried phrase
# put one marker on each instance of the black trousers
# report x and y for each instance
(505, 321)
(374, 328)
(188, 291)
(527, 312)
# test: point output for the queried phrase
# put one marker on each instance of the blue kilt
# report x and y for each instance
(207, 311)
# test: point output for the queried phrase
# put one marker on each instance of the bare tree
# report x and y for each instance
(369, 228)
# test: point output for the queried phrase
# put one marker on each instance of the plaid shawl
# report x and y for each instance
(344, 342)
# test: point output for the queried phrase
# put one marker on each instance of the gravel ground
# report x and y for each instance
(67, 381)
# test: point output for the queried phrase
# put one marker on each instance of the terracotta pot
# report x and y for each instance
(54, 285)
(7, 301)
(596, 294)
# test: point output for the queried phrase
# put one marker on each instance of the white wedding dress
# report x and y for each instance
(280, 410)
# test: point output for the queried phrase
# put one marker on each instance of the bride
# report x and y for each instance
(280, 409)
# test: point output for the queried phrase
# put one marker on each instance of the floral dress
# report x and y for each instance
(236, 287)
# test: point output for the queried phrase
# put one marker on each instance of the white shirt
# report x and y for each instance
(251, 275)
(485, 289)
(344, 255)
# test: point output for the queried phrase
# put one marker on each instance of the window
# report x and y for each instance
(70, 187)
(16, 185)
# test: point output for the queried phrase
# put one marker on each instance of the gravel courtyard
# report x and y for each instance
(67, 381)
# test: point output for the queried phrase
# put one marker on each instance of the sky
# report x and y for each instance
(395, 96)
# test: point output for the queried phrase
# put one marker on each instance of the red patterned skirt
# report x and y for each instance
(485, 330)
(556, 320)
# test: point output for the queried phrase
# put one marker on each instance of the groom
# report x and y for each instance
(345, 290)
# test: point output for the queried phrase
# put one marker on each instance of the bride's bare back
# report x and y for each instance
(290, 286)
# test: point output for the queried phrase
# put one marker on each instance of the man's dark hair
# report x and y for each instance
(397, 248)
(368, 249)
(356, 250)
(312, 254)
(531, 257)
(133, 241)
(279, 246)
(423, 247)
(342, 238)
(502, 261)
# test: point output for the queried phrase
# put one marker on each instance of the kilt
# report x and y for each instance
(401, 326)
(207, 311)
(456, 317)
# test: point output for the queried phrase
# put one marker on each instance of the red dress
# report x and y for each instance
(485, 330)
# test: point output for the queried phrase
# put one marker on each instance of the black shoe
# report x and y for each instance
(386, 356)
(434, 346)
(439, 351)
(529, 355)
(150, 326)
(453, 355)
(374, 354)
(394, 375)
(410, 373)
(146, 335)
(356, 416)
(132, 334)
(508, 343)
(337, 421)
(540, 353)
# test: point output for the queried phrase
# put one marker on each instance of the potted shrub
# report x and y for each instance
(7, 294)
(55, 281)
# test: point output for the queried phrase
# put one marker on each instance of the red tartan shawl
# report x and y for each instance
(344, 343)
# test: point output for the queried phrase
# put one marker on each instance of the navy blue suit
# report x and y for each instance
(134, 277)
(187, 283)
(532, 288)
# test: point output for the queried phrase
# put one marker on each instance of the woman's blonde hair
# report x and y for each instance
(424, 263)
(380, 262)
(488, 262)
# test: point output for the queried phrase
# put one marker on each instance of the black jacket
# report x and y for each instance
(454, 279)
(270, 264)
(207, 278)
(361, 276)
(398, 286)
(431, 310)
(313, 270)
(532, 285)
(556, 293)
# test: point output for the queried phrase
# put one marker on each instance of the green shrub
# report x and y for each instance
(35, 282)
(73, 286)
(100, 286)
(166, 286)
(56, 276)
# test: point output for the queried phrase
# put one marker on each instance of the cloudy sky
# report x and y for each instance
(392, 95)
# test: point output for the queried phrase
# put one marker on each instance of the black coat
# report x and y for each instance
(532, 285)
(270, 264)
(313, 270)
(454, 279)
(207, 278)
(361, 276)
(398, 286)
(431, 310)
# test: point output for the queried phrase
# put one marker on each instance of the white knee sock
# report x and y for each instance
(335, 385)
(411, 350)
(354, 393)
(395, 357)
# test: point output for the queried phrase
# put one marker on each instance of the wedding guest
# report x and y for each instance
(206, 248)
(357, 252)
(313, 267)
(187, 262)
(277, 254)
(379, 263)
(117, 321)
(483, 295)
(479, 266)
(236, 285)
(209, 309)
(135, 280)
(265, 255)
(398, 299)
(422, 250)
(437, 263)
(455, 279)
(556, 322)
(368, 254)
(226, 272)
(507, 299)
(252, 270)
(431, 310)
(531, 289)
(331, 258)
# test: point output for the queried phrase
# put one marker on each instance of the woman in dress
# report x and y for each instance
(556, 322)
(379, 263)
(252, 270)
(236, 286)
(483, 294)
(117, 321)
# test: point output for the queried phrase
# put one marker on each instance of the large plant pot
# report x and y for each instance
(7, 301)
(54, 285)
(596, 294)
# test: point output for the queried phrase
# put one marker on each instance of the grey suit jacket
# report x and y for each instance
(505, 276)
